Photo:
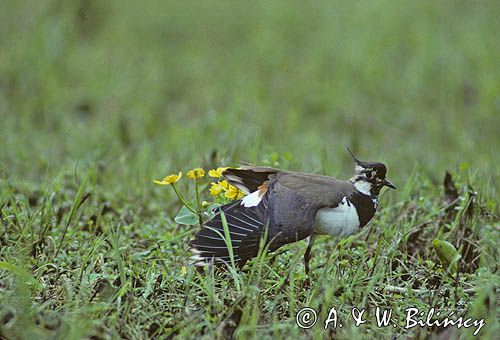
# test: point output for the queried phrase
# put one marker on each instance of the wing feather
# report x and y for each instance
(246, 226)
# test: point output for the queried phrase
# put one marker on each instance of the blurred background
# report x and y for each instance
(122, 92)
(141, 89)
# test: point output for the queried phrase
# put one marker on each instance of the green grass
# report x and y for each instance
(97, 99)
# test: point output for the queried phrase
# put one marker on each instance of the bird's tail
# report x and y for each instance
(249, 178)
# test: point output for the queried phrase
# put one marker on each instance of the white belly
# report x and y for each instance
(339, 221)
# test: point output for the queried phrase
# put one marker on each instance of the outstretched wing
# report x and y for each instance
(246, 226)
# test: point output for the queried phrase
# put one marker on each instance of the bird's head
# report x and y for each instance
(369, 177)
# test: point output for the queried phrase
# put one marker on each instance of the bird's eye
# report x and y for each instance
(369, 175)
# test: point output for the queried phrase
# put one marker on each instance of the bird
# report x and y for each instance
(283, 207)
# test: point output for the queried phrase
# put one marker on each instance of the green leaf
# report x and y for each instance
(186, 217)
(447, 253)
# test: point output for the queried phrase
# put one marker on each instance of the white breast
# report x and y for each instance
(339, 221)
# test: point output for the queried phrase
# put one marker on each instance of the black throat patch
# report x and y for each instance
(365, 207)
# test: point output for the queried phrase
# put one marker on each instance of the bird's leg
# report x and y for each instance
(307, 254)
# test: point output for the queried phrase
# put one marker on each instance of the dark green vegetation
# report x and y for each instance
(98, 98)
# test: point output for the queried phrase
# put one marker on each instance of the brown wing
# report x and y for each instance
(324, 191)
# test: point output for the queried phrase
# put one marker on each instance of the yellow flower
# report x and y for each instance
(224, 184)
(241, 194)
(232, 193)
(215, 189)
(195, 173)
(216, 173)
(183, 270)
(170, 179)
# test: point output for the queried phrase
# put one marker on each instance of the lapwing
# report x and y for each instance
(285, 206)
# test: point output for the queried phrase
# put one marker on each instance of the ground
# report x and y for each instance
(99, 99)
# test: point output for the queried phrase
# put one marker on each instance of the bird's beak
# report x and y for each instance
(388, 183)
